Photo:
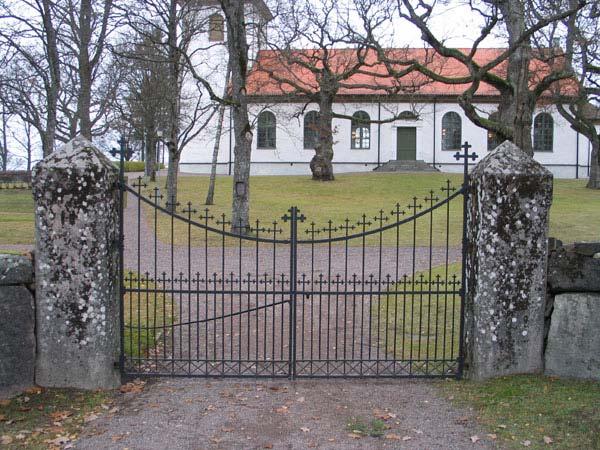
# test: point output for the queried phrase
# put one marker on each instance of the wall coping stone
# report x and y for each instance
(15, 269)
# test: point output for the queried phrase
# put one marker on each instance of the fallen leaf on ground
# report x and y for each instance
(6, 440)
(268, 446)
(305, 429)
(282, 410)
(354, 435)
(406, 438)
(4, 402)
(502, 426)
(89, 418)
(383, 415)
(2, 417)
(226, 429)
(60, 441)
(393, 437)
(548, 440)
(300, 399)
(135, 386)
(35, 390)
(474, 438)
(118, 437)
(492, 436)
(526, 443)
(418, 431)
(60, 415)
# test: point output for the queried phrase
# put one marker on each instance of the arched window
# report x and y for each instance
(543, 133)
(361, 130)
(267, 126)
(311, 129)
(451, 131)
(493, 140)
(216, 28)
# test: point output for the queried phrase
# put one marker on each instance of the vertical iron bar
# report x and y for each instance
(121, 244)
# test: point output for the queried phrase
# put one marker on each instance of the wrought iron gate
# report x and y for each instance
(380, 296)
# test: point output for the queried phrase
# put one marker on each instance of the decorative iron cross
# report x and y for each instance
(465, 154)
(346, 226)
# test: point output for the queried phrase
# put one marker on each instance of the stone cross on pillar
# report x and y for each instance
(507, 226)
(76, 205)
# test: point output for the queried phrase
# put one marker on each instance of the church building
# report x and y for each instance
(410, 123)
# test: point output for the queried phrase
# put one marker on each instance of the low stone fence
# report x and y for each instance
(572, 345)
(17, 313)
(15, 179)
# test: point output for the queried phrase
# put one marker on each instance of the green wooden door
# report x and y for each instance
(406, 143)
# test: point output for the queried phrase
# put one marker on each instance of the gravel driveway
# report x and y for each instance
(233, 414)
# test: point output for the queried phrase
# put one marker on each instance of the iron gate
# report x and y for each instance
(380, 296)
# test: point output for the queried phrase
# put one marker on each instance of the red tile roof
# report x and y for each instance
(271, 67)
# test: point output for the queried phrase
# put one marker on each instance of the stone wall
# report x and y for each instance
(572, 345)
(17, 331)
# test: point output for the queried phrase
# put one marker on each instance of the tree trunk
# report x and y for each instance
(213, 167)
(4, 149)
(52, 91)
(516, 109)
(238, 61)
(594, 180)
(150, 160)
(84, 99)
(320, 165)
(174, 106)
(172, 177)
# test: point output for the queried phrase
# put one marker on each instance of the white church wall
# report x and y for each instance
(289, 156)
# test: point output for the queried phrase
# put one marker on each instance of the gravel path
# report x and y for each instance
(230, 414)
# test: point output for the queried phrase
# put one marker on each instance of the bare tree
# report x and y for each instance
(580, 34)
(518, 96)
(336, 55)
(170, 27)
(30, 29)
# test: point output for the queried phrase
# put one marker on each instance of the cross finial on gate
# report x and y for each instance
(364, 223)
(330, 228)
(415, 206)
(381, 218)
(465, 155)
(398, 211)
(346, 226)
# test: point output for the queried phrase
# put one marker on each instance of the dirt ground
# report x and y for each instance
(264, 414)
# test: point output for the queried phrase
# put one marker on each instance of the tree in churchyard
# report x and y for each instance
(237, 47)
(518, 73)
(319, 73)
(83, 38)
(143, 97)
(210, 194)
(29, 30)
(579, 36)
(170, 26)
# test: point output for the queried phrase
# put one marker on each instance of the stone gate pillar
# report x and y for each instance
(507, 226)
(76, 206)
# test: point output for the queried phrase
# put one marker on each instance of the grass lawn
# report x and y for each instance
(575, 213)
(523, 410)
(49, 418)
(16, 216)
(420, 326)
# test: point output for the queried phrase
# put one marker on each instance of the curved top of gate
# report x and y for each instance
(450, 193)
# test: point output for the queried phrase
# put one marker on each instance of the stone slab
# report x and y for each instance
(573, 348)
(17, 338)
(15, 269)
(586, 248)
(569, 271)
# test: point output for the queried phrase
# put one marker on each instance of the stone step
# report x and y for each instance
(394, 165)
